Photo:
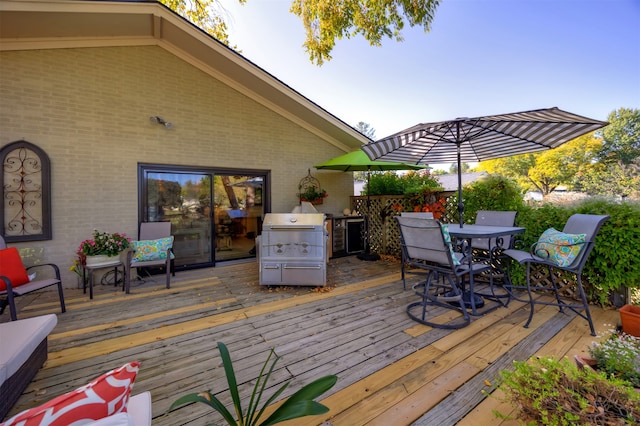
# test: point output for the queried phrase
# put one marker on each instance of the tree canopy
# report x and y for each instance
(547, 170)
(206, 14)
(606, 162)
(325, 21)
(622, 136)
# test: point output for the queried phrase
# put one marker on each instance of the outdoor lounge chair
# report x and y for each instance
(548, 254)
(16, 282)
(426, 248)
(153, 249)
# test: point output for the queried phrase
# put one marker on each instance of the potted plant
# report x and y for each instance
(618, 355)
(630, 319)
(300, 404)
(102, 247)
(312, 194)
(556, 392)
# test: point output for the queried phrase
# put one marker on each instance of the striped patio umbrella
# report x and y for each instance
(481, 138)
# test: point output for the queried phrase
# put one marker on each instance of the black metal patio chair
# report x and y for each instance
(543, 254)
(426, 248)
(14, 276)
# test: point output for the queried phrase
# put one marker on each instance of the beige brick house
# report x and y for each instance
(91, 84)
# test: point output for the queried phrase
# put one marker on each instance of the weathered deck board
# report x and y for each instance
(568, 341)
(390, 369)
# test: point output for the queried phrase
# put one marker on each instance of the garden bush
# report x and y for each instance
(615, 260)
(493, 192)
(555, 392)
(390, 183)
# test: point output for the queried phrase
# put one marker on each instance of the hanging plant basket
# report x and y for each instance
(310, 190)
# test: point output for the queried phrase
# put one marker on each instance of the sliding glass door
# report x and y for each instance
(215, 214)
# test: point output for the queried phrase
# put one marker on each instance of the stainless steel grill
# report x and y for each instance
(293, 249)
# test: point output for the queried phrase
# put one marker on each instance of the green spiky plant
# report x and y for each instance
(300, 404)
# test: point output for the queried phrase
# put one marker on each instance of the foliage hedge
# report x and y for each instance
(613, 264)
(389, 183)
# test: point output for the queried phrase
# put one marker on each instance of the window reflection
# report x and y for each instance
(214, 216)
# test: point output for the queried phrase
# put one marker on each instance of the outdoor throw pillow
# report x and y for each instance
(147, 250)
(559, 247)
(105, 396)
(11, 267)
(447, 239)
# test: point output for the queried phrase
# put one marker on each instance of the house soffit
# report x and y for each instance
(27, 24)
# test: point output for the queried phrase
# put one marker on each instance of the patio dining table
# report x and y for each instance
(468, 233)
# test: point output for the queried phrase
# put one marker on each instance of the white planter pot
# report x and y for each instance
(101, 259)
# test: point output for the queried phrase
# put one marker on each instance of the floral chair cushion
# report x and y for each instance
(105, 396)
(447, 239)
(559, 247)
(148, 250)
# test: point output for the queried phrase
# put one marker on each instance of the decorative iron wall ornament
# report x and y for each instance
(25, 180)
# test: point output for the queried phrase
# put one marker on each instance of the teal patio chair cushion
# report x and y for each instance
(149, 250)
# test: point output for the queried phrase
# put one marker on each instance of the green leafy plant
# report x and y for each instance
(300, 404)
(312, 193)
(613, 262)
(557, 392)
(493, 192)
(619, 356)
(390, 183)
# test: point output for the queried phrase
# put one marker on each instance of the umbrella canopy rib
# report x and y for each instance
(481, 138)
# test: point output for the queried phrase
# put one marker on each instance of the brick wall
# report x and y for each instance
(89, 110)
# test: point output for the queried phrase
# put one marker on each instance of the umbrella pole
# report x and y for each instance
(460, 202)
(367, 255)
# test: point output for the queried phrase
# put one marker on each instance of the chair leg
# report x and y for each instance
(12, 305)
(127, 279)
(63, 308)
(438, 297)
(168, 274)
(531, 301)
(555, 290)
(585, 303)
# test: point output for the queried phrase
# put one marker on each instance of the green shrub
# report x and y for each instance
(494, 192)
(615, 259)
(619, 356)
(390, 183)
(614, 262)
(552, 392)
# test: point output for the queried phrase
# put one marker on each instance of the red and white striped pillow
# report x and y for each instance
(103, 397)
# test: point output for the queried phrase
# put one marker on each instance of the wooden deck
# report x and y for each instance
(391, 370)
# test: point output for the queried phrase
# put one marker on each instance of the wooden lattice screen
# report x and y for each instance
(384, 233)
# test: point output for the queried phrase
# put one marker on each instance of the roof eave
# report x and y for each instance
(52, 24)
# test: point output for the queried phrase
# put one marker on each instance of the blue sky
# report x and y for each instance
(481, 57)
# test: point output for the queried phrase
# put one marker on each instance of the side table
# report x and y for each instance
(115, 264)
